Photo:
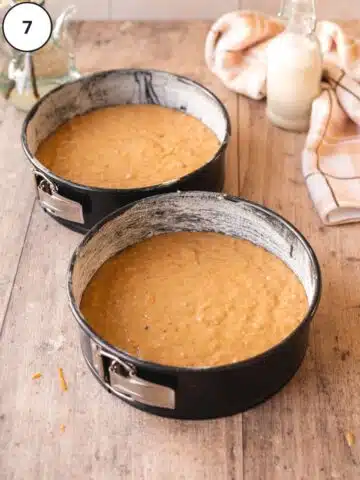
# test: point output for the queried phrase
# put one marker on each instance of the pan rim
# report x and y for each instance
(125, 356)
(150, 188)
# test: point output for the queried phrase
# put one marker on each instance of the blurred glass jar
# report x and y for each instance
(294, 69)
(26, 77)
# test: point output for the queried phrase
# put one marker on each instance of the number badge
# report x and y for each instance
(27, 27)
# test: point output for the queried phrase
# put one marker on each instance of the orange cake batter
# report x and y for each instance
(194, 300)
(128, 146)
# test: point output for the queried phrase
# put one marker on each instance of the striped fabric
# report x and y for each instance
(235, 51)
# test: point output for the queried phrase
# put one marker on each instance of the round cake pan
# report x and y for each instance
(80, 207)
(193, 393)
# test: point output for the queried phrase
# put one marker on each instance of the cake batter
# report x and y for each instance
(128, 146)
(194, 300)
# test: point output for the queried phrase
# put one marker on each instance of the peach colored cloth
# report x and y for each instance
(235, 51)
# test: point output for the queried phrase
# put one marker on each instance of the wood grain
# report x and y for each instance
(17, 195)
(17, 198)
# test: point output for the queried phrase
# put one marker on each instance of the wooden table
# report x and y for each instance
(85, 433)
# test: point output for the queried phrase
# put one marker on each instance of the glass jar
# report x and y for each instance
(294, 68)
(25, 77)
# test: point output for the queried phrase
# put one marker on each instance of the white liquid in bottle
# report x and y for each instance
(294, 73)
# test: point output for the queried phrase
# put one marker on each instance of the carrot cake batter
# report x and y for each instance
(194, 300)
(128, 146)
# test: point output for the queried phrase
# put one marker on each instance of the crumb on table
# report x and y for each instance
(36, 375)
(62, 428)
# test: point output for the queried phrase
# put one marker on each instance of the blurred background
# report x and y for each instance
(191, 9)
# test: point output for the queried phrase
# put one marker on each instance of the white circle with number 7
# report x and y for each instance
(27, 27)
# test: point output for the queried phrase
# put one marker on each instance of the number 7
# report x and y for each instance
(29, 23)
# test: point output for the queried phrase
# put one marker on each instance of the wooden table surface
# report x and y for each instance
(85, 433)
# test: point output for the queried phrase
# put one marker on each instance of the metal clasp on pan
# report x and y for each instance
(54, 203)
(124, 382)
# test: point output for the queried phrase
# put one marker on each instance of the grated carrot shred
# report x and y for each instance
(63, 384)
(350, 439)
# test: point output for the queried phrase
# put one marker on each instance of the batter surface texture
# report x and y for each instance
(128, 146)
(194, 300)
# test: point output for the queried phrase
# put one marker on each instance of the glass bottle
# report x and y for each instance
(25, 77)
(294, 67)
